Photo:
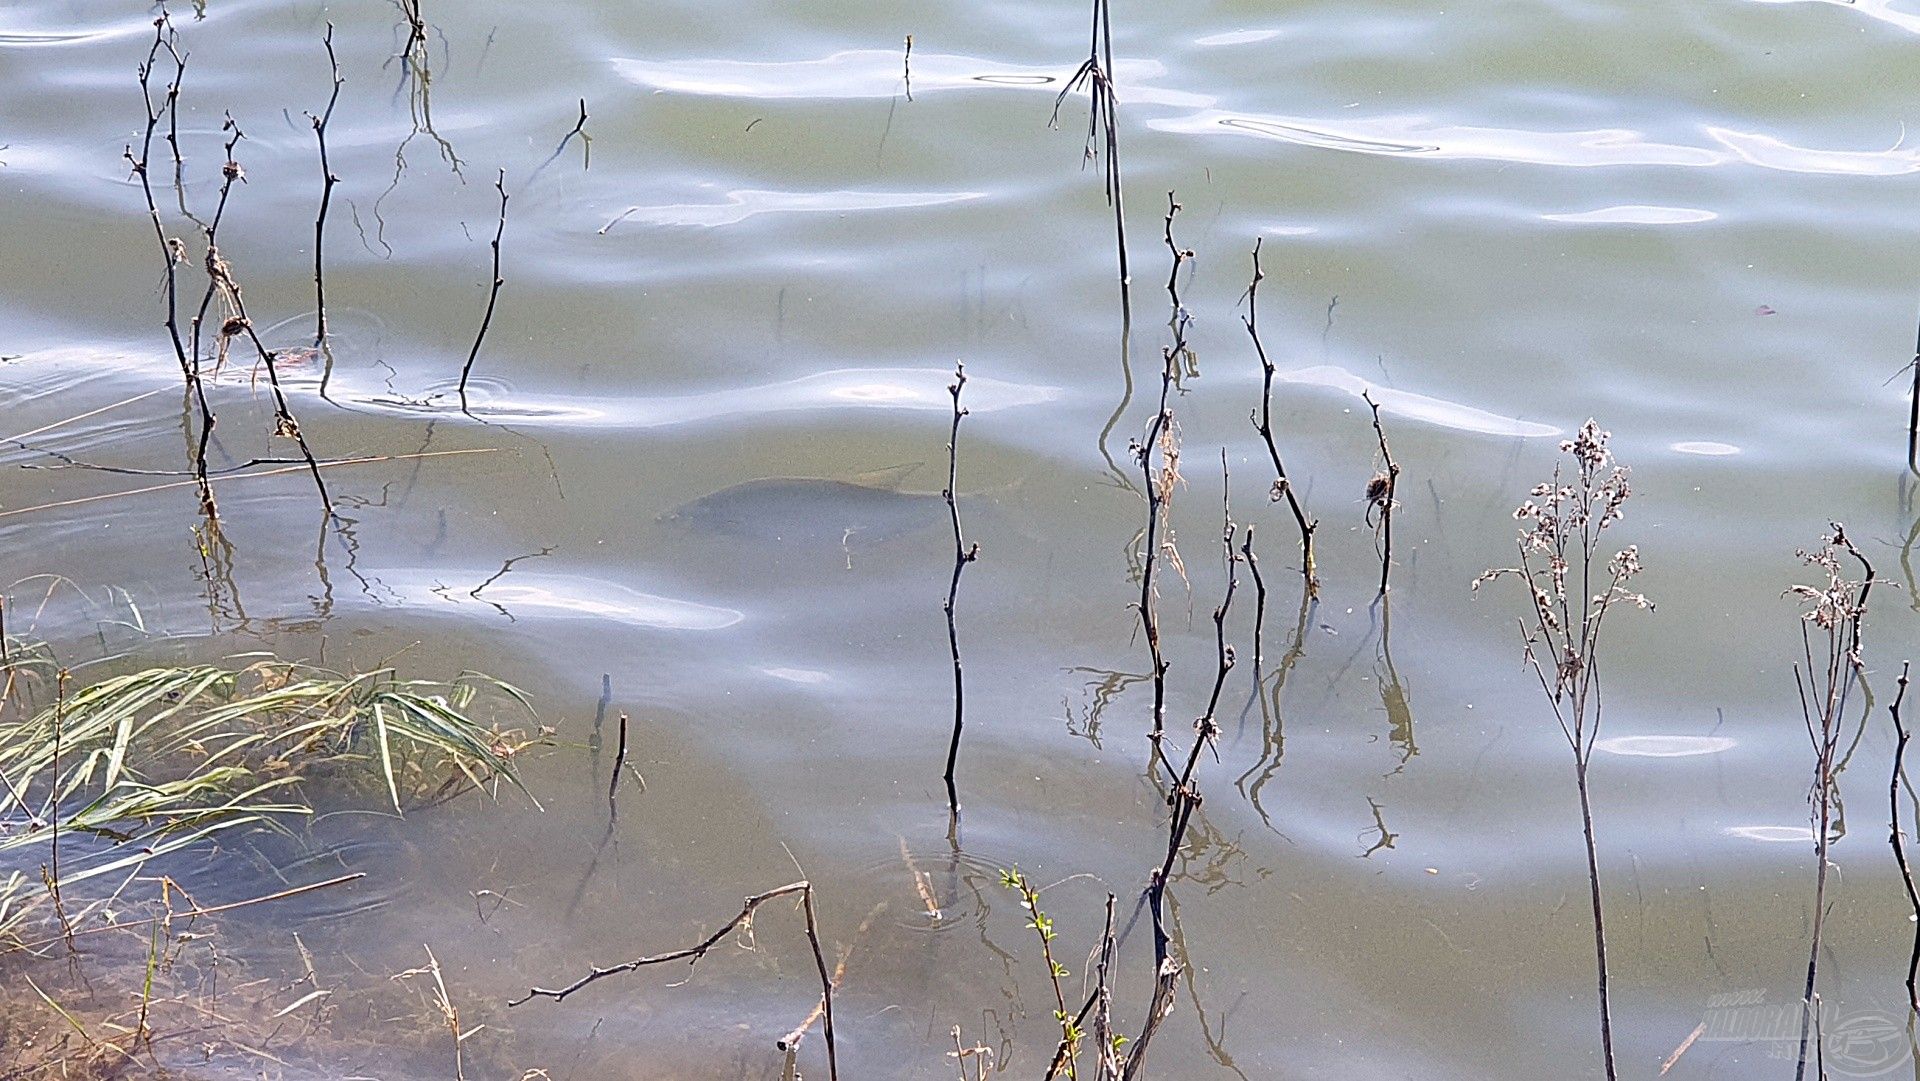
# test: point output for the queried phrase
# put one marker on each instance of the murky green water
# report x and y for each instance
(1693, 223)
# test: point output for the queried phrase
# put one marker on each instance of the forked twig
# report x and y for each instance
(963, 554)
(1283, 487)
(1160, 477)
(1899, 840)
(493, 296)
(1103, 128)
(693, 954)
(1836, 612)
(1380, 493)
(327, 182)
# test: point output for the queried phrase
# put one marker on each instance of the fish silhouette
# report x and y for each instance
(869, 508)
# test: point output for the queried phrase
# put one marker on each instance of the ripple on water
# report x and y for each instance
(1665, 746)
(1415, 135)
(804, 676)
(880, 73)
(1771, 834)
(932, 890)
(1635, 215)
(1705, 448)
(1413, 406)
(21, 38)
(738, 206)
(1407, 135)
(526, 594)
(846, 388)
(1236, 37)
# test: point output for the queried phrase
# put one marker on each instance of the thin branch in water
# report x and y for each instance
(1380, 494)
(1283, 487)
(1899, 840)
(1105, 1045)
(172, 251)
(1160, 477)
(327, 182)
(1835, 612)
(1185, 798)
(1103, 132)
(586, 145)
(505, 567)
(493, 296)
(1259, 598)
(1913, 414)
(963, 554)
(693, 954)
(619, 764)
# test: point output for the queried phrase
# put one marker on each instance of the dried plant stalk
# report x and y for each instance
(1572, 586)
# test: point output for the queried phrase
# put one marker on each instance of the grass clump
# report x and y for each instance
(103, 779)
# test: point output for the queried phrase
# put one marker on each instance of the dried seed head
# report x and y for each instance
(233, 326)
(232, 171)
(1378, 488)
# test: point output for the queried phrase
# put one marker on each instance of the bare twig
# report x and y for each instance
(493, 296)
(586, 144)
(1184, 798)
(1103, 131)
(449, 1013)
(963, 554)
(693, 954)
(1380, 493)
(221, 282)
(619, 763)
(172, 251)
(1913, 415)
(1835, 613)
(906, 71)
(1160, 478)
(1259, 597)
(1105, 1046)
(327, 182)
(1899, 840)
(1283, 487)
(210, 910)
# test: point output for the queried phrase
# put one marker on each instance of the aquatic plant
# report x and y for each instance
(1572, 586)
(1824, 677)
(1068, 1055)
(144, 764)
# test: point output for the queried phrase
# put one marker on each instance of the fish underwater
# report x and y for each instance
(817, 512)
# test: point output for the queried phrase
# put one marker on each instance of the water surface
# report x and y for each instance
(1693, 223)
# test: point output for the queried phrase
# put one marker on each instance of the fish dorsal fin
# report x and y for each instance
(888, 479)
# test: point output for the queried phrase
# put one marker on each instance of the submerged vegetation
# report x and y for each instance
(102, 779)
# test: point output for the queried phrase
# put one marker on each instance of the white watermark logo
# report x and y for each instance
(1852, 1042)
